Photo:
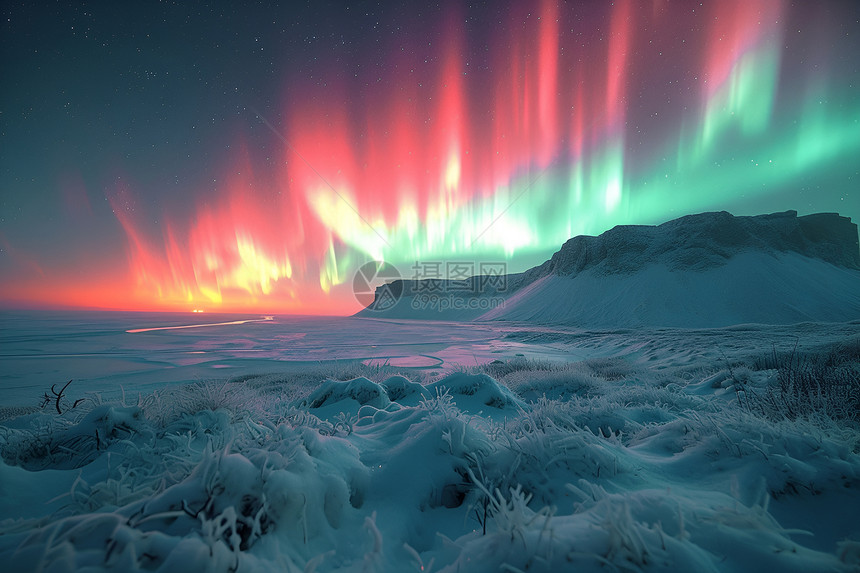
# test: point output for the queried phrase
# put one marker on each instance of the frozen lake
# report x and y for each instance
(102, 350)
(108, 352)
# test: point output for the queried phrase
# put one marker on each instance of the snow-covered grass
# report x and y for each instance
(603, 464)
(810, 385)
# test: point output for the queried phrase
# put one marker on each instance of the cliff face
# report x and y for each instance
(708, 240)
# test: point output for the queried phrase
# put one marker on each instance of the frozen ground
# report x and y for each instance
(95, 349)
(431, 446)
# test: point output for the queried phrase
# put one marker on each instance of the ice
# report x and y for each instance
(519, 448)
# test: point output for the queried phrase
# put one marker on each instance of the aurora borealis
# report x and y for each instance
(179, 158)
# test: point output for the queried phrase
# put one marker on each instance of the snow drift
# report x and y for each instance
(463, 474)
(702, 271)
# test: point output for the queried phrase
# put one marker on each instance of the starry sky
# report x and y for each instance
(187, 156)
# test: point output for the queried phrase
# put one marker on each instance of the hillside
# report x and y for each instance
(705, 270)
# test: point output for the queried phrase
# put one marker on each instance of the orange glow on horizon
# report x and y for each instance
(376, 176)
(487, 142)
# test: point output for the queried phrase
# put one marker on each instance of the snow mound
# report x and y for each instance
(401, 389)
(473, 392)
(359, 390)
(363, 397)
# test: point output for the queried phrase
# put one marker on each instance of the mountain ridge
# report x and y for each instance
(705, 240)
(696, 270)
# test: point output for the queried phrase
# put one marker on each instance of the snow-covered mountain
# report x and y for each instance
(705, 270)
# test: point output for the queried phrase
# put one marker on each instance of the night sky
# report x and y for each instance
(174, 156)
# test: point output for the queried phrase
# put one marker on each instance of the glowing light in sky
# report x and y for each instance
(545, 125)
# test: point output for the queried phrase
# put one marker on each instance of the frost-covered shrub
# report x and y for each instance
(808, 385)
(300, 483)
(9, 412)
(499, 369)
(40, 441)
(532, 385)
(441, 404)
(171, 403)
(532, 379)
(611, 369)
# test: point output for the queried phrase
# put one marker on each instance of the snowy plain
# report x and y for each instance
(357, 444)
